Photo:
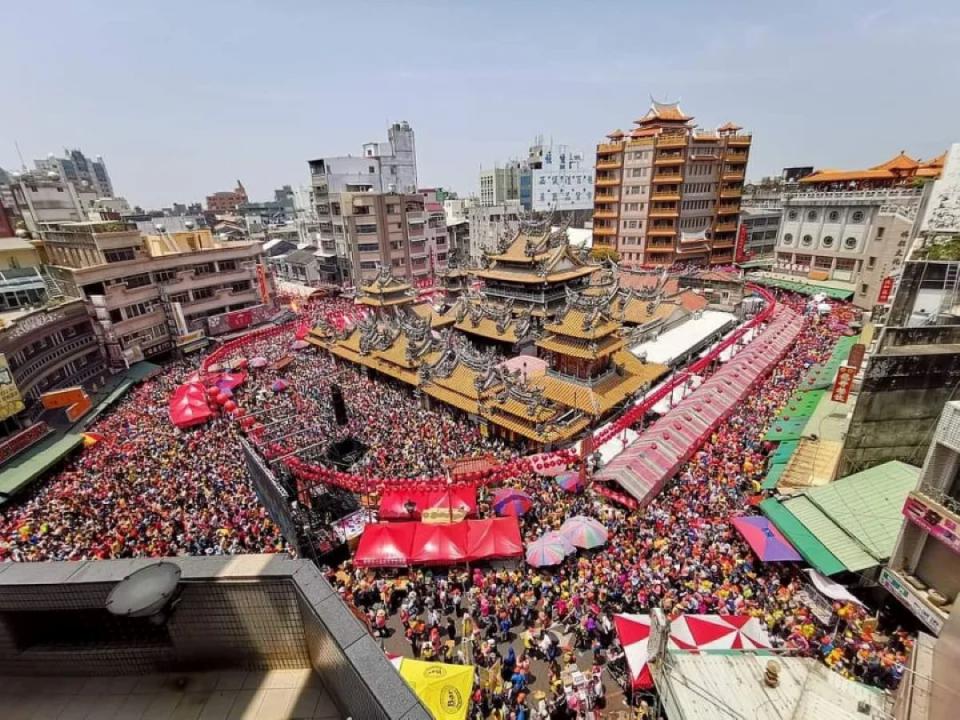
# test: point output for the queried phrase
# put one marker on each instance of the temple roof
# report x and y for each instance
(899, 167)
(664, 112)
(616, 134)
(729, 127)
(385, 290)
(535, 256)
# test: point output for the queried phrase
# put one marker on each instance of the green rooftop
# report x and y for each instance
(803, 288)
(851, 524)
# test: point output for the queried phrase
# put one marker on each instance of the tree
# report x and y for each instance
(605, 253)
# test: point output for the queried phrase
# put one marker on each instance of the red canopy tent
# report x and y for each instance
(494, 538)
(439, 544)
(188, 406)
(393, 503)
(385, 545)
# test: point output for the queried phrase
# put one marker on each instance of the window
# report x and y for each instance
(871, 262)
(834, 216)
(112, 256)
(850, 243)
(880, 232)
(857, 217)
(812, 216)
(821, 262)
(204, 269)
(827, 241)
(371, 169)
(165, 276)
(203, 293)
(241, 286)
(366, 229)
(863, 288)
(793, 215)
(788, 239)
(226, 265)
(846, 264)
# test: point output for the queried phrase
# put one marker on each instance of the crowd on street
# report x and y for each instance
(148, 489)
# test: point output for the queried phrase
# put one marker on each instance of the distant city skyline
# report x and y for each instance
(183, 99)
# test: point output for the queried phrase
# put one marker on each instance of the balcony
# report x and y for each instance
(731, 193)
(736, 176)
(728, 209)
(609, 148)
(739, 140)
(679, 140)
(604, 215)
(725, 227)
(415, 217)
(719, 243)
(604, 231)
(673, 178)
(733, 156)
(664, 212)
(659, 249)
(913, 598)
(609, 165)
(608, 182)
(120, 296)
(662, 232)
(670, 158)
(666, 196)
(606, 198)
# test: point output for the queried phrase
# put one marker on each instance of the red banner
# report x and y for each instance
(262, 282)
(741, 255)
(239, 319)
(843, 384)
(886, 290)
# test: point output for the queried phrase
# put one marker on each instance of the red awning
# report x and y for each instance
(188, 406)
(385, 545)
(494, 538)
(439, 544)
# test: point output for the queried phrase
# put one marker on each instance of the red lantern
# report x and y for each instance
(229, 406)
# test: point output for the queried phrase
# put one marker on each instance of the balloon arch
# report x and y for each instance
(314, 473)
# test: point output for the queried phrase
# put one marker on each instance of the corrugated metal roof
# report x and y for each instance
(708, 686)
(812, 550)
(679, 340)
(856, 519)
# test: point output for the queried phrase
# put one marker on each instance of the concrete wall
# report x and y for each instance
(250, 612)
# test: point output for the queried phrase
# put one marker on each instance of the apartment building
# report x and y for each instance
(378, 230)
(759, 228)
(75, 167)
(435, 233)
(227, 201)
(924, 569)
(668, 193)
(51, 346)
(489, 224)
(389, 167)
(44, 197)
(499, 185)
(150, 294)
(554, 177)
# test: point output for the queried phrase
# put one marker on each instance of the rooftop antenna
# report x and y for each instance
(23, 165)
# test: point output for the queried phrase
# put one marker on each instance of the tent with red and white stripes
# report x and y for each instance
(693, 633)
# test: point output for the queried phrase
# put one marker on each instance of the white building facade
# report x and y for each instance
(488, 223)
(556, 178)
(857, 236)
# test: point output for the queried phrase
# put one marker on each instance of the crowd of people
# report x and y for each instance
(680, 553)
(149, 489)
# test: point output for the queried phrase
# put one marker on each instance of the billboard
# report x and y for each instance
(10, 401)
(843, 384)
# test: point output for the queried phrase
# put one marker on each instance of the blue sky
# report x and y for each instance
(182, 98)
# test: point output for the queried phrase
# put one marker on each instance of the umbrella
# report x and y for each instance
(559, 538)
(570, 481)
(765, 539)
(544, 552)
(238, 363)
(300, 345)
(279, 385)
(584, 532)
(259, 362)
(510, 501)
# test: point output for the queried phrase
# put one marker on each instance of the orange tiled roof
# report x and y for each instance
(450, 397)
(639, 312)
(533, 278)
(670, 112)
(551, 433)
(692, 302)
(564, 346)
(578, 323)
(847, 175)
(898, 162)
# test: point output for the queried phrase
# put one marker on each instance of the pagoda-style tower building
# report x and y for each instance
(534, 270)
(491, 325)
(588, 367)
(386, 291)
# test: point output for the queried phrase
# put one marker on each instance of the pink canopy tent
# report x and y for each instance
(439, 544)
(687, 632)
(188, 406)
(385, 545)
(494, 538)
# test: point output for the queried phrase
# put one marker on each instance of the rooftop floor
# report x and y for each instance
(272, 695)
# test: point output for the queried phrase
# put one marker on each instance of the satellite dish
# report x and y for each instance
(188, 225)
(160, 228)
(150, 592)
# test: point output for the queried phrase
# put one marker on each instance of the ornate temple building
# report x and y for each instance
(492, 325)
(386, 291)
(534, 270)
